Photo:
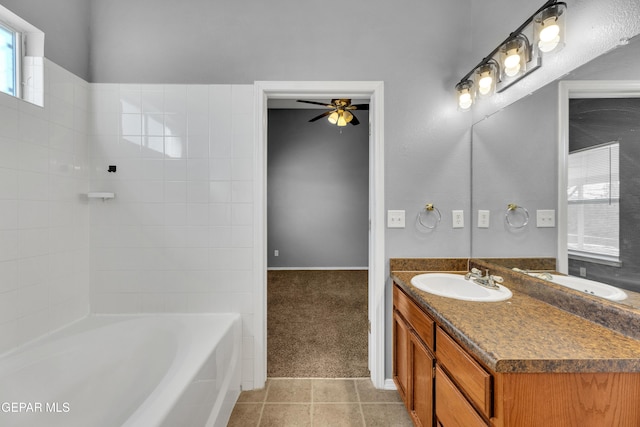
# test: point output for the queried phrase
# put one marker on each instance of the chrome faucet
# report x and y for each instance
(488, 281)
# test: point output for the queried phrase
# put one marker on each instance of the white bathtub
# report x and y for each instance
(150, 370)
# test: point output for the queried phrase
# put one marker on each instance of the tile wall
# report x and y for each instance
(44, 213)
(178, 237)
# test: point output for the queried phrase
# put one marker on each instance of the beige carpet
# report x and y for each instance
(317, 324)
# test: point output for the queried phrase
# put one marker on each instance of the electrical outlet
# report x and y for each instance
(458, 219)
(545, 218)
(395, 219)
(483, 219)
(276, 253)
(583, 271)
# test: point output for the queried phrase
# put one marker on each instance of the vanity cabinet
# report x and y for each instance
(443, 385)
(421, 371)
(413, 360)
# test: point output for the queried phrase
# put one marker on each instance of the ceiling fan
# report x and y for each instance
(340, 112)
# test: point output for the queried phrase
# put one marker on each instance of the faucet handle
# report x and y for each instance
(497, 279)
(476, 271)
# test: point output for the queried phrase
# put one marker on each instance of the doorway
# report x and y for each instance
(376, 280)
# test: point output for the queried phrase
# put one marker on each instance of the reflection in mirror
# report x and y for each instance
(603, 190)
(516, 159)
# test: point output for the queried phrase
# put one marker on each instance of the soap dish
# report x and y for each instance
(101, 195)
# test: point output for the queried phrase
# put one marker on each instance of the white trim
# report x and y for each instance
(389, 384)
(316, 268)
(579, 89)
(291, 90)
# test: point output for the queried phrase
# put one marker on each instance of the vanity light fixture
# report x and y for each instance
(549, 28)
(486, 77)
(516, 56)
(465, 94)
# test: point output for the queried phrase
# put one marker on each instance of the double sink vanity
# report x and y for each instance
(531, 353)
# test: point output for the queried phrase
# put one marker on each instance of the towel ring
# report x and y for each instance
(513, 212)
(429, 211)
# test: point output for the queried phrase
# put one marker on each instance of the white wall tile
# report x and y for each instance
(8, 214)
(198, 169)
(198, 145)
(182, 219)
(8, 276)
(220, 191)
(48, 250)
(198, 191)
(8, 245)
(9, 149)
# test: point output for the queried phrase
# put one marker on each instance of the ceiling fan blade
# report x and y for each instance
(358, 107)
(316, 103)
(325, 114)
(354, 121)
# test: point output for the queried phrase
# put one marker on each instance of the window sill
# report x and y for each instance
(595, 259)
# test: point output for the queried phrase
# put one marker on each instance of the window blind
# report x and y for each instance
(593, 196)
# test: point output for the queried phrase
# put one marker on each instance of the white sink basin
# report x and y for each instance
(590, 287)
(455, 286)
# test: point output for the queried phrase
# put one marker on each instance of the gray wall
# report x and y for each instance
(65, 24)
(514, 161)
(317, 191)
(426, 139)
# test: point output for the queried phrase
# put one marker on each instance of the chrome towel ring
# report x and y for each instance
(516, 216)
(429, 217)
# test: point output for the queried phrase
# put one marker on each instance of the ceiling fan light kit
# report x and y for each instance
(340, 113)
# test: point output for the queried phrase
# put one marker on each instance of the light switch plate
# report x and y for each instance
(483, 218)
(545, 218)
(458, 219)
(395, 219)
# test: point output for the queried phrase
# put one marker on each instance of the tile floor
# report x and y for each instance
(319, 403)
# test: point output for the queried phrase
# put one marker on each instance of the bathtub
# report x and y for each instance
(112, 370)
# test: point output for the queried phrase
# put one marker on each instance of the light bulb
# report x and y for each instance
(512, 63)
(550, 28)
(333, 118)
(348, 116)
(465, 101)
(341, 120)
(549, 35)
(513, 59)
(484, 84)
(465, 94)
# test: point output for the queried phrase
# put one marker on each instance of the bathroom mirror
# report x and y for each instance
(516, 159)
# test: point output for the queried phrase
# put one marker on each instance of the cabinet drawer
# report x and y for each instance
(418, 319)
(452, 408)
(473, 380)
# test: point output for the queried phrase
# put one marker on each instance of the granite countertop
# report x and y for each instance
(524, 334)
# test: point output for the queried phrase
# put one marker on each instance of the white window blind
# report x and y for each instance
(593, 196)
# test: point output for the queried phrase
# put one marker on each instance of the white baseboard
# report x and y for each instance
(389, 384)
(317, 268)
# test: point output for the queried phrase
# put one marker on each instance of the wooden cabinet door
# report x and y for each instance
(422, 365)
(452, 408)
(401, 342)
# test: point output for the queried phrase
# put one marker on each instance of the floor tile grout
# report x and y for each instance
(319, 388)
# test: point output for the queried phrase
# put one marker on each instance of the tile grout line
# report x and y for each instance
(311, 405)
(355, 385)
(264, 401)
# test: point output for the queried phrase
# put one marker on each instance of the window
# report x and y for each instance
(593, 196)
(21, 58)
(8, 64)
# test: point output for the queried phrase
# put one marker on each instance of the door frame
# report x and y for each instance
(374, 91)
